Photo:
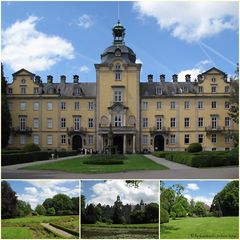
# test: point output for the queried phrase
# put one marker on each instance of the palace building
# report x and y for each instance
(143, 116)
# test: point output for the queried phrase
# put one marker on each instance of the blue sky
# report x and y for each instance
(55, 38)
(106, 192)
(36, 191)
(199, 190)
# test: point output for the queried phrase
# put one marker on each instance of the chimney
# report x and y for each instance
(75, 78)
(175, 77)
(37, 79)
(162, 78)
(199, 77)
(150, 78)
(49, 79)
(63, 79)
(188, 78)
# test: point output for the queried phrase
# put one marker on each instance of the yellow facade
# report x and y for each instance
(143, 116)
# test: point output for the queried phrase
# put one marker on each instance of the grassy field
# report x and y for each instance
(207, 227)
(131, 163)
(30, 228)
(119, 231)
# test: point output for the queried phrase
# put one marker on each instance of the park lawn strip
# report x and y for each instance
(132, 162)
(205, 227)
(16, 233)
(105, 225)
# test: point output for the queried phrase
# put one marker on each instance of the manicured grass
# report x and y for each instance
(131, 163)
(120, 231)
(31, 225)
(206, 227)
(16, 233)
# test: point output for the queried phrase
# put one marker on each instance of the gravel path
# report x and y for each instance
(57, 231)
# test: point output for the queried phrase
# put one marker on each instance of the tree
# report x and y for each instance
(8, 200)
(75, 204)
(83, 202)
(117, 212)
(61, 203)
(137, 216)
(200, 209)
(228, 199)
(191, 208)
(99, 212)
(152, 212)
(40, 209)
(5, 113)
(164, 216)
(184, 202)
(51, 211)
(133, 183)
(179, 210)
(178, 188)
(90, 216)
(48, 203)
(216, 209)
(23, 208)
(167, 199)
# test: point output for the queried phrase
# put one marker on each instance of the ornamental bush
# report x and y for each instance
(31, 147)
(194, 147)
(164, 216)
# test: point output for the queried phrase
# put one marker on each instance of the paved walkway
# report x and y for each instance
(57, 231)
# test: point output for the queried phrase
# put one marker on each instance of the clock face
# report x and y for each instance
(118, 53)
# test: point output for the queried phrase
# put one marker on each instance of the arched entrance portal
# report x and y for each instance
(159, 143)
(76, 142)
(118, 141)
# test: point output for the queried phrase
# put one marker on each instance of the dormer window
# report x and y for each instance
(214, 89)
(23, 90)
(117, 71)
(50, 90)
(23, 81)
(36, 90)
(158, 91)
(213, 79)
(77, 91)
(200, 89)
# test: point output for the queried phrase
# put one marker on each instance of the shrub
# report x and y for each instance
(31, 147)
(194, 147)
(12, 151)
(109, 221)
(105, 159)
(173, 215)
(67, 154)
(164, 216)
(160, 154)
(51, 211)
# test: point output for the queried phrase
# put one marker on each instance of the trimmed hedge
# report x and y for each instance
(65, 229)
(105, 159)
(67, 154)
(194, 147)
(11, 151)
(161, 154)
(31, 147)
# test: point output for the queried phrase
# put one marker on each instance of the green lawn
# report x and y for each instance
(131, 163)
(30, 228)
(120, 231)
(206, 227)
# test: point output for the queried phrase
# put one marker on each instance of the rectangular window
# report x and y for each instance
(228, 139)
(117, 75)
(200, 138)
(36, 106)
(214, 89)
(214, 122)
(63, 139)
(63, 105)
(186, 139)
(213, 79)
(159, 123)
(23, 90)
(90, 123)
(159, 105)
(145, 139)
(23, 139)
(227, 89)
(172, 105)
(49, 106)
(36, 139)
(144, 105)
(227, 122)
(200, 122)
(118, 96)
(145, 122)
(10, 139)
(227, 105)
(49, 139)
(10, 91)
(23, 123)
(200, 104)
(200, 89)
(186, 105)
(77, 123)
(36, 123)
(22, 106)
(214, 138)
(36, 90)
(9, 106)
(76, 105)
(49, 123)
(172, 139)
(158, 91)
(90, 139)
(214, 104)
(63, 122)
(118, 120)
(90, 105)
(186, 122)
(173, 122)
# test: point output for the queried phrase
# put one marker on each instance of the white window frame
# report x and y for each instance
(36, 106)
(187, 122)
(90, 139)
(77, 123)
(118, 96)
(22, 139)
(158, 91)
(159, 105)
(145, 122)
(214, 106)
(23, 106)
(200, 122)
(214, 121)
(144, 105)
(186, 105)
(200, 105)
(63, 123)
(36, 123)
(186, 136)
(63, 139)
(22, 90)
(172, 105)
(172, 139)
(49, 139)
(63, 106)
(159, 123)
(214, 138)
(145, 139)
(76, 106)
(36, 139)
(49, 123)
(117, 120)
(49, 106)
(23, 123)
(227, 122)
(213, 89)
(173, 122)
(90, 123)
(91, 105)
(200, 136)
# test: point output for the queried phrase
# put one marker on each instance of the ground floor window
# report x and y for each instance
(186, 139)
(36, 139)
(23, 139)
(90, 139)
(63, 139)
(145, 139)
(200, 138)
(172, 139)
(10, 140)
(214, 138)
(49, 139)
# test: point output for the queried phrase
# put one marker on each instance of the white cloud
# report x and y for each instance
(193, 72)
(191, 21)
(25, 47)
(85, 21)
(106, 193)
(206, 200)
(138, 60)
(43, 189)
(192, 186)
(84, 69)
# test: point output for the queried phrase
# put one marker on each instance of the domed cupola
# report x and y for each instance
(118, 49)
